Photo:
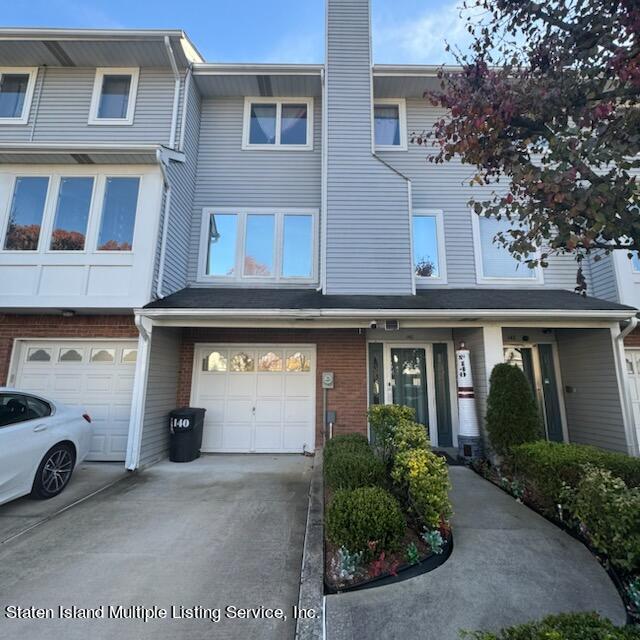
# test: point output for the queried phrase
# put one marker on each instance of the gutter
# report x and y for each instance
(380, 314)
(176, 91)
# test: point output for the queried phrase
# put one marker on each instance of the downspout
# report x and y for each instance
(166, 209)
(136, 421)
(633, 445)
(176, 92)
(323, 184)
(36, 110)
(185, 106)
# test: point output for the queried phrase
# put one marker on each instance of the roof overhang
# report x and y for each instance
(406, 81)
(226, 80)
(65, 153)
(95, 47)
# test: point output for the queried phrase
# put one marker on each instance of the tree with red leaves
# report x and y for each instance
(546, 101)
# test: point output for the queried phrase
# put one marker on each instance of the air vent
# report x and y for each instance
(391, 325)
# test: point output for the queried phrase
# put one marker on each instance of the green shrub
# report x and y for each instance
(368, 514)
(610, 513)
(349, 467)
(565, 626)
(548, 466)
(424, 479)
(383, 421)
(409, 435)
(351, 441)
(512, 412)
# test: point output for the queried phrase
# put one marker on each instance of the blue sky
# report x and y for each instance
(404, 31)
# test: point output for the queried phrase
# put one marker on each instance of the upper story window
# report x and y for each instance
(494, 263)
(72, 213)
(259, 245)
(390, 124)
(278, 123)
(16, 92)
(428, 246)
(114, 96)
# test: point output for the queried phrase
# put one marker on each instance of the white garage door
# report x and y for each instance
(633, 369)
(259, 398)
(97, 376)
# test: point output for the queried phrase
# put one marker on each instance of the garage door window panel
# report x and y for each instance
(70, 355)
(37, 354)
(270, 361)
(129, 356)
(215, 361)
(298, 362)
(242, 362)
(103, 356)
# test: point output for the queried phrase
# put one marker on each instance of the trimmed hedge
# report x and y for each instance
(350, 463)
(548, 465)
(360, 516)
(512, 411)
(384, 419)
(565, 626)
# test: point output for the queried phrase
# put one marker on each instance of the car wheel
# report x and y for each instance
(54, 472)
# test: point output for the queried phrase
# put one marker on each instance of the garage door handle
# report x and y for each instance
(40, 427)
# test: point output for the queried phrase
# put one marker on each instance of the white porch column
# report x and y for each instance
(493, 348)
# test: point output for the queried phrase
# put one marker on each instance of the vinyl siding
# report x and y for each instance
(446, 187)
(603, 278)
(162, 391)
(182, 177)
(228, 176)
(368, 244)
(62, 99)
(594, 412)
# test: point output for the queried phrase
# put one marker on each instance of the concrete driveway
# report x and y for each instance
(508, 566)
(222, 531)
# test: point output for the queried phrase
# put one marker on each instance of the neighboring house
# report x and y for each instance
(250, 227)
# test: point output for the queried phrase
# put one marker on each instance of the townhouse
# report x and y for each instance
(263, 241)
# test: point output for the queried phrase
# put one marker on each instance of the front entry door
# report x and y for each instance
(409, 381)
(537, 363)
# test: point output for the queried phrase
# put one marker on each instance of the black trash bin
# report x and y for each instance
(185, 425)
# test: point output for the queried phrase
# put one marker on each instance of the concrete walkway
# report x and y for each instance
(508, 566)
(219, 531)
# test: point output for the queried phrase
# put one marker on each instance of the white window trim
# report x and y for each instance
(401, 103)
(247, 146)
(94, 220)
(28, 98)
(134, 72)
(537, 278)
(440, 239)
(242, 213)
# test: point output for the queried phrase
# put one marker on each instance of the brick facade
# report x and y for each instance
(342, 351)
(14, 326)
(633, 339)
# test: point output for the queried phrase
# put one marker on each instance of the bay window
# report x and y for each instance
(278, 123)
(258, 245)
(26, 213)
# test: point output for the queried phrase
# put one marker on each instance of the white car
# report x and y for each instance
(41, 442)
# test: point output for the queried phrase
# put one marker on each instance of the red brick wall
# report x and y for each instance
(50, 326)
(342, 351)
(633, 339)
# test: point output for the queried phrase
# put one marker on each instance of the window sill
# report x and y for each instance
(391, 148)
(110, 122)
(14, 121)
(277, 147)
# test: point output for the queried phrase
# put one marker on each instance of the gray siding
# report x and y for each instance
(62, 99)
(162, 391)
(228, 176)
(182, 177)
(603, 278)
(446, 187)
(368, 224)
(474, 340)
(594, 412)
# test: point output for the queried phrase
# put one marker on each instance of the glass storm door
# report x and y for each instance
(409, 381)
(553, 417)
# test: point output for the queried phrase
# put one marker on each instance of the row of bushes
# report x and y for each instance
(565, 626)
(364, 514)
(596, 491)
